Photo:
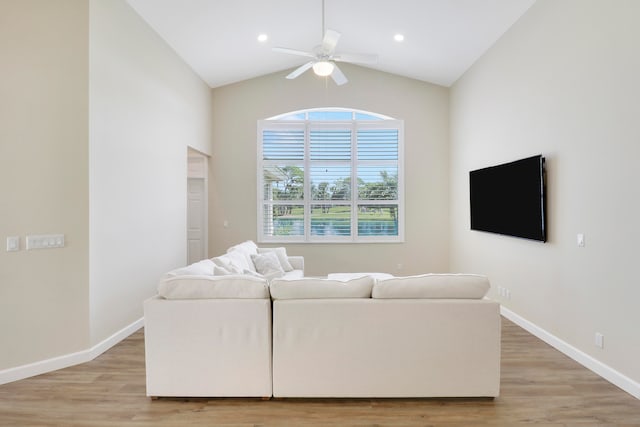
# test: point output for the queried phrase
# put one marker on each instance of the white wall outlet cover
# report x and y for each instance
(599, 340)
(13, 243)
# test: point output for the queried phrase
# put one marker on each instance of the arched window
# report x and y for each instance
(330, 175)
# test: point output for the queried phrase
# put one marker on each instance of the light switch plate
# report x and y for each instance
(45, 241)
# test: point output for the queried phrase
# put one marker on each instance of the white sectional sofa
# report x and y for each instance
(208, 331)
(412, 338)
(364, 335)
(208, 347)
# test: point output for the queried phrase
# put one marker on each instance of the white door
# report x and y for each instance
(196, 220)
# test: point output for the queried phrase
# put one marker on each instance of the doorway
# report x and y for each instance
(197, 207)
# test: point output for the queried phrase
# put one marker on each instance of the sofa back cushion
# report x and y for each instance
(311, 288)
(214, 287)
(455, 286)
(200, 268)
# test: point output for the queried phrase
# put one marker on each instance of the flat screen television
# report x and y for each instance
(510, 199)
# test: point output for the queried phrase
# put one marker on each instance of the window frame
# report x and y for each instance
(379, 122)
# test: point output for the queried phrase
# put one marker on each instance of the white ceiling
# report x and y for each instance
(218, 38)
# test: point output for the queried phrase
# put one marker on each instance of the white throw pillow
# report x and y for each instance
(455, 286)
(247, 249)
(247, 246)
(210, 287)
(282, 257)
(267, 264)
(239, 261)
(225, 262)
(309, 288)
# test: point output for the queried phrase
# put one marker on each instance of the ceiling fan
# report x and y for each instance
(324, 57)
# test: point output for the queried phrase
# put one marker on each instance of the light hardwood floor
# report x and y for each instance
(539, 386)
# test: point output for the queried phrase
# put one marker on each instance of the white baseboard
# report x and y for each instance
(605, 371)
(49, 365)
(60, 362)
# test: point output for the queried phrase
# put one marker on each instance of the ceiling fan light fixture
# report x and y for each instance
(323, 68)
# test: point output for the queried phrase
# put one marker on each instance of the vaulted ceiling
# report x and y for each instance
(442, 38)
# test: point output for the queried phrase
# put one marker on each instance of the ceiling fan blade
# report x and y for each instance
(358, 58)
(338, 76)
(301, 69)
(293, 52)
(330, 41)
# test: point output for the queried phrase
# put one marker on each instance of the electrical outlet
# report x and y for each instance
(13, 243)
(504, 293)
(599, 340)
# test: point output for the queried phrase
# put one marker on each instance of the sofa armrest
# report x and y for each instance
(297, 262)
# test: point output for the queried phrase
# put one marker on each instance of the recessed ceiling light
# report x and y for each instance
(262, 38)
(398, 37)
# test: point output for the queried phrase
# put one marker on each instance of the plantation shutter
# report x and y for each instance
(378, 144)
(282, 210)
(283, 144)
(333, 178)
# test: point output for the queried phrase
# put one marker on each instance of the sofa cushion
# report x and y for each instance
(310, 288)
(455, 286)
(293, 274)
(349, 276)
(296, 261)
(200, 268)
(220, 271)
(247, 249)
(281, 253)
(210, 287)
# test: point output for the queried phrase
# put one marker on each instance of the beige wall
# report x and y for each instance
(147, 107)
(43, 178)
(96, 115)
(562, 82)
(422, 106)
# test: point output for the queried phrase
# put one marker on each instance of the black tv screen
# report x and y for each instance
(510, 199)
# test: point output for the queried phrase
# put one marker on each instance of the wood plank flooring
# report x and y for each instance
(539, 386)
